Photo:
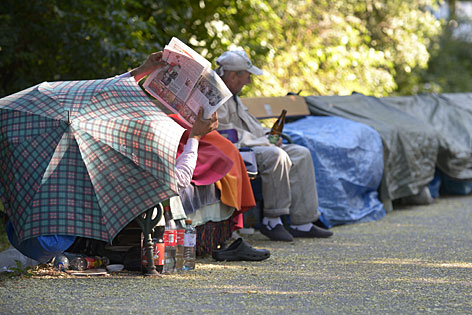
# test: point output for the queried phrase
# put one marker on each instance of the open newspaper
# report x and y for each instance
(187, 83)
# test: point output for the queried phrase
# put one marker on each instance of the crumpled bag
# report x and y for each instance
(9, 257)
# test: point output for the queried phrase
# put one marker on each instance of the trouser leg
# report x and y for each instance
(304, 197)
(274, 165)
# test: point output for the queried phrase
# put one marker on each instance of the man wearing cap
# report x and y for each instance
(286, 170)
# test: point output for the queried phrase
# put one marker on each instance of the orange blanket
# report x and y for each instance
(235, 186)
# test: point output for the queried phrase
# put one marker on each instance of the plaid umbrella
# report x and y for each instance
(84, 158)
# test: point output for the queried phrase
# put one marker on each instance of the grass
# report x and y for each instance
(4, 243)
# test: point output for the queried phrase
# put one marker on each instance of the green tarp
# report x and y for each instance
(451, 116)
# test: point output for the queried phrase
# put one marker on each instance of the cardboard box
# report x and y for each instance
(268, 107)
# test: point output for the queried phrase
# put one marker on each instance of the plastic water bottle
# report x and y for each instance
(61, 262)
(170, 242)
(179, 254)
(190, 241)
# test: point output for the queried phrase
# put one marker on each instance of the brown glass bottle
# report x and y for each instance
(277, 128)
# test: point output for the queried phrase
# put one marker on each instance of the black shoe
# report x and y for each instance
(278, 233)
(313, 232)
(320, 224)
(240, 250)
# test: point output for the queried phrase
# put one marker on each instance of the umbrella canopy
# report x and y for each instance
(84, 158)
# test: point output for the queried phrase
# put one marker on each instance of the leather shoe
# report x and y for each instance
(320, 224)
(240, 250)
(313, 232)
(278, 233)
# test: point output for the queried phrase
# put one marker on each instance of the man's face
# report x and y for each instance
(236, 80)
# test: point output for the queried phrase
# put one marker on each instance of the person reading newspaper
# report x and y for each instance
(239, 249)
(187, 160)
(43, 248)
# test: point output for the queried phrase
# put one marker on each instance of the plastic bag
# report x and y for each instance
(9, 257)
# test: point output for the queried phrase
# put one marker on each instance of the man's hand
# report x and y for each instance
(153, 62)
(203, 126)
(279, 142)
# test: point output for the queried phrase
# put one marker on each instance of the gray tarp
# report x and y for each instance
(410, 145)
(451, 116)
(461, 100)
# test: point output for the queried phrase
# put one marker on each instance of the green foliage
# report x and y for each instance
(19, 270)
(69, 40)
(86, 39)
(337, 47)
(4, 243)
(317, 46)
(450, 66)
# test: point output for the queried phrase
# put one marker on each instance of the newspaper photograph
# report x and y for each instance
(179, 81)
(210, 92)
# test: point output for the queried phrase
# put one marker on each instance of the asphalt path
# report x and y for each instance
(415, 260)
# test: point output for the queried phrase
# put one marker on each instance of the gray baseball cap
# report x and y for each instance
(237, 60)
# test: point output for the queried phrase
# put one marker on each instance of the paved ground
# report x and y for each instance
(415, 260)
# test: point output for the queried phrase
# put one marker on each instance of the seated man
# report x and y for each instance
(286, 170)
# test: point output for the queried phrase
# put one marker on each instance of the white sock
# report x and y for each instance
(235, 235)
(302, 227)
(271, 223)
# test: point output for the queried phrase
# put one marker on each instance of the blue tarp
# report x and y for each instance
(450, 186)
(348, 160)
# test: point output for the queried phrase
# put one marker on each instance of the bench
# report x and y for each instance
(271, 107)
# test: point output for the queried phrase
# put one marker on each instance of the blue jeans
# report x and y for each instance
(41, 248)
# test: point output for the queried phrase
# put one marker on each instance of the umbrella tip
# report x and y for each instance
(68, 117)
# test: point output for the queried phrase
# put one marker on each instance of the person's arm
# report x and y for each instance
(236, 116)
(187, 161)
(153, 62)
